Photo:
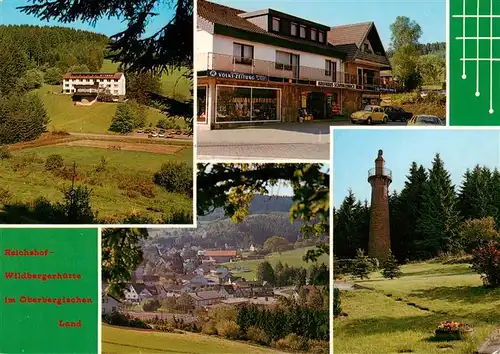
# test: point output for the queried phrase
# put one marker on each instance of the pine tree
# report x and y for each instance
(390, 268)
(362, 265)
(351, 227)
(439, 220)
(476, 200)
(405, 210)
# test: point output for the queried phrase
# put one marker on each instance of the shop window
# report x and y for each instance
(202, 104)
(243, 54)
(246, 104)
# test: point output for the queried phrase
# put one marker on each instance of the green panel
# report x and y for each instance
(27, 327)
(474, 87)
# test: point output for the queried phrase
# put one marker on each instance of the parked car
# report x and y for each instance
(140, 131)
(397, 114)
(161, 134)
(369, 115)
(154, 133)
(424, 119)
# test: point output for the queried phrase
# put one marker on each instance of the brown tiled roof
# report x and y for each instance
(221, 253)
(349, 39)
(215, 14)
(206, 295)
(93, 75)
(348, 34)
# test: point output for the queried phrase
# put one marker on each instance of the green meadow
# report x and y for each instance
(400, 315)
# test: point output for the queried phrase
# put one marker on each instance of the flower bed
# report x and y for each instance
(449, 330)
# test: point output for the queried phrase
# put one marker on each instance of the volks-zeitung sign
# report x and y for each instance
(236, 76)
(334, 84)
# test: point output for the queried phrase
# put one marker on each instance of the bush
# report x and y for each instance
(54, 162)
(228, 329)
(486, 262)
(53, 76)
(476, 232)
(151, 306)
(391, 268)
(22, 118)
(4, 196)
(33, 79)
(209, 328)
(5, 153)
(337, 310)
(128, 116)
(257, 335)
(362, 265)
(134, 187)
(165, 124)
(292, 342)
(176, 177)
(103, 165)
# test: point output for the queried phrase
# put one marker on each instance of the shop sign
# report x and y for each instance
(383, 89)
(367, 95)
(334, 84)
(237, 76)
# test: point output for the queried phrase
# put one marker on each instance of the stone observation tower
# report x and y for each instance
(380, 237)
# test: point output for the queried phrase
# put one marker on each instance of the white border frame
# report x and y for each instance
(249, 121)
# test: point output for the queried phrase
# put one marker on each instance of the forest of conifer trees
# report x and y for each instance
(31, 56)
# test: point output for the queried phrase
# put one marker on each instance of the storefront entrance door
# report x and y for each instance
(316, 105)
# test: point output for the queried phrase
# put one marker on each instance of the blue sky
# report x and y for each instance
(9, 15)
(430, 14)
(355, 152)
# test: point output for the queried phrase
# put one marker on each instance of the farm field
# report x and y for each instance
(400, 315)
(293, 258)
(117, 340)
(116, 192)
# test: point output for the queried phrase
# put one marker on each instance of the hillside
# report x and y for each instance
(293, 258)
(260, 205)
(123, 340)
(255, 229)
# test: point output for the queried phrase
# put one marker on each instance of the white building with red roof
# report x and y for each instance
(85, 84)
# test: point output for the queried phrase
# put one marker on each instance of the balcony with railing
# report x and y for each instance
(377, 172)
(290, 73)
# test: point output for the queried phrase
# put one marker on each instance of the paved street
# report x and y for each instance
(276, 142)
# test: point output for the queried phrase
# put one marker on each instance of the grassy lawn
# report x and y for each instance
(293, 258)
(175, 85)
(124, 340)
(109, 67)
(386, 321)
(26, 179)
(64, 115)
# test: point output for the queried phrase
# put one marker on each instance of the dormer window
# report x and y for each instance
(293, 29)
(314, 33)
(302, 31)
(276, 24)
(321, 36)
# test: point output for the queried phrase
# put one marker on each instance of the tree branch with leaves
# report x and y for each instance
(233, 186)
